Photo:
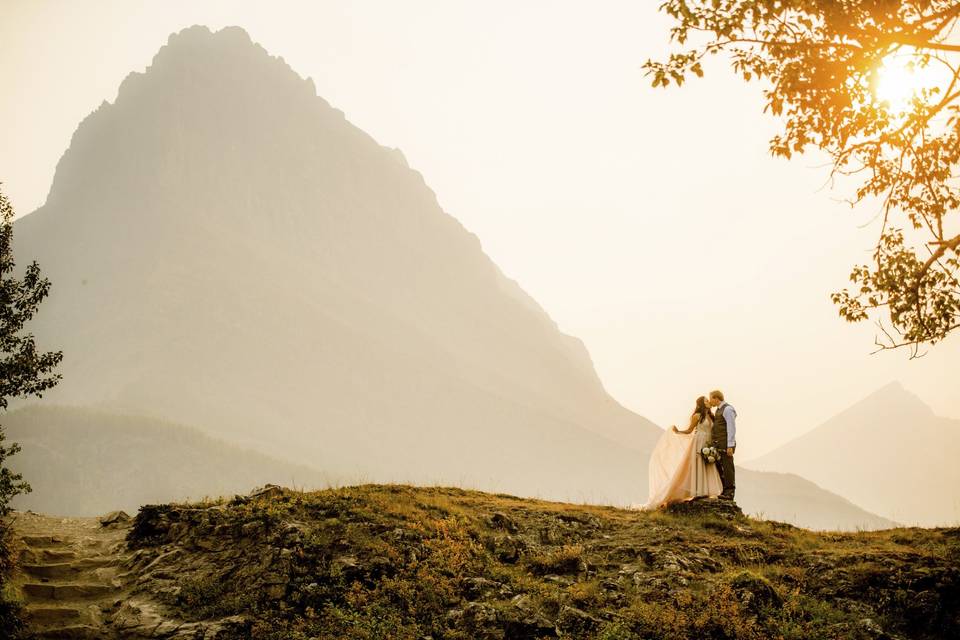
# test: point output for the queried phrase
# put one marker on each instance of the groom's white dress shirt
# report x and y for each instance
(730, 415)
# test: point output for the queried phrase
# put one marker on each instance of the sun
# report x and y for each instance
(901, 78)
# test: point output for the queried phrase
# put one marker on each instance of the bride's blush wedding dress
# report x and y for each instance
(677, 470)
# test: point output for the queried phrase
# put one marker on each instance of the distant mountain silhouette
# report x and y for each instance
(787, 497)
(888, 453)
(84, 462)
(228, 251)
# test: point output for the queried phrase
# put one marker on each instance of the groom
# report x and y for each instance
(725, 440)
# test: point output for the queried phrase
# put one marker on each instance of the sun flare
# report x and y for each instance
(900, 79)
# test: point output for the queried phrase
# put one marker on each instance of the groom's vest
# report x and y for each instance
(720, 428)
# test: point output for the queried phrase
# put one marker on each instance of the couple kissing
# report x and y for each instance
(696, 462)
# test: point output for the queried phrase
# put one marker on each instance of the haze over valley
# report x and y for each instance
(606, 200)
(445, 320)
(264, 271)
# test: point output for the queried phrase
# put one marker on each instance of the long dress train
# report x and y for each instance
(677, 470)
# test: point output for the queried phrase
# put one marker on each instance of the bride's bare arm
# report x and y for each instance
(694, 421)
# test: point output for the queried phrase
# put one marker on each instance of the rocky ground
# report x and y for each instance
(68, 571)
(74, 581)
(404, 562)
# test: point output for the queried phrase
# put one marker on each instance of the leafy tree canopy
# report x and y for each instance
(874, 84)
(23, 370)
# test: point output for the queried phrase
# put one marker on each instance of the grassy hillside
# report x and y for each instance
(88, 462)
(403, 562)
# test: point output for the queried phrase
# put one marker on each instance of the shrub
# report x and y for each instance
(565, 560)
(11, 622)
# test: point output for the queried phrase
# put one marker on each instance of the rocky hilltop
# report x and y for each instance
(415, 563)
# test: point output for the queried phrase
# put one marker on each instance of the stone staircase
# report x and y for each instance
(68, 575)
(78, 580)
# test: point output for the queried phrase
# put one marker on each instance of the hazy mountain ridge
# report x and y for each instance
(85, 462)
(309, 283)
(790, 497)
(889, 453)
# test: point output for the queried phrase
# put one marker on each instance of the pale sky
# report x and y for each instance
(653, 224)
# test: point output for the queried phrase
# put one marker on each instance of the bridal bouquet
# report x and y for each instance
(710, 454)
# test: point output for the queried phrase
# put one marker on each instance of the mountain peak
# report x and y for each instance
(205, 96)
(230, 51)
(875, 454)
(893, 396)
(199, 41)
(202, 33)
(219, 218)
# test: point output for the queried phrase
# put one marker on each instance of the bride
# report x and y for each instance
(677, 470)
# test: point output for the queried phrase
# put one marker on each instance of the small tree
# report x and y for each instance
(23, 371)
(825, 63)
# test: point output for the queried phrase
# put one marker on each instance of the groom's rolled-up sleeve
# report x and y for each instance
(730, 415)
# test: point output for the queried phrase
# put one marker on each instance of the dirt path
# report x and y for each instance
(69, 574)
(78, 580)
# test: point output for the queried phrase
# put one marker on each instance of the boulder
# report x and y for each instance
(524, 621)
(724, 509)
(755, 592)
(686, 558)
(477, 588)
(482, 621)
(346, 567)
(115, 519)
(267, 491)
(875, 631)
(576, 623)
(500, 520)
(507, 548)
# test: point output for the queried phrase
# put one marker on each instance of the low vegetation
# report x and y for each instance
(11, 622)
(406, 562)
(24, 371)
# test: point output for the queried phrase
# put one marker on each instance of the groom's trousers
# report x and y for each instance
(728, 475)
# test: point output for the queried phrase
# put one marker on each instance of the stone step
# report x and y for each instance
(66, 569)
(74, 591)
(49, 615)
(38, 556)
(43, 541)
(71, 632)
(55, 555)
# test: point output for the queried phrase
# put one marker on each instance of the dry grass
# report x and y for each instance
(424, 554)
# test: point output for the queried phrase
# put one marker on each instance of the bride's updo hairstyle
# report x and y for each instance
(702, 410)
